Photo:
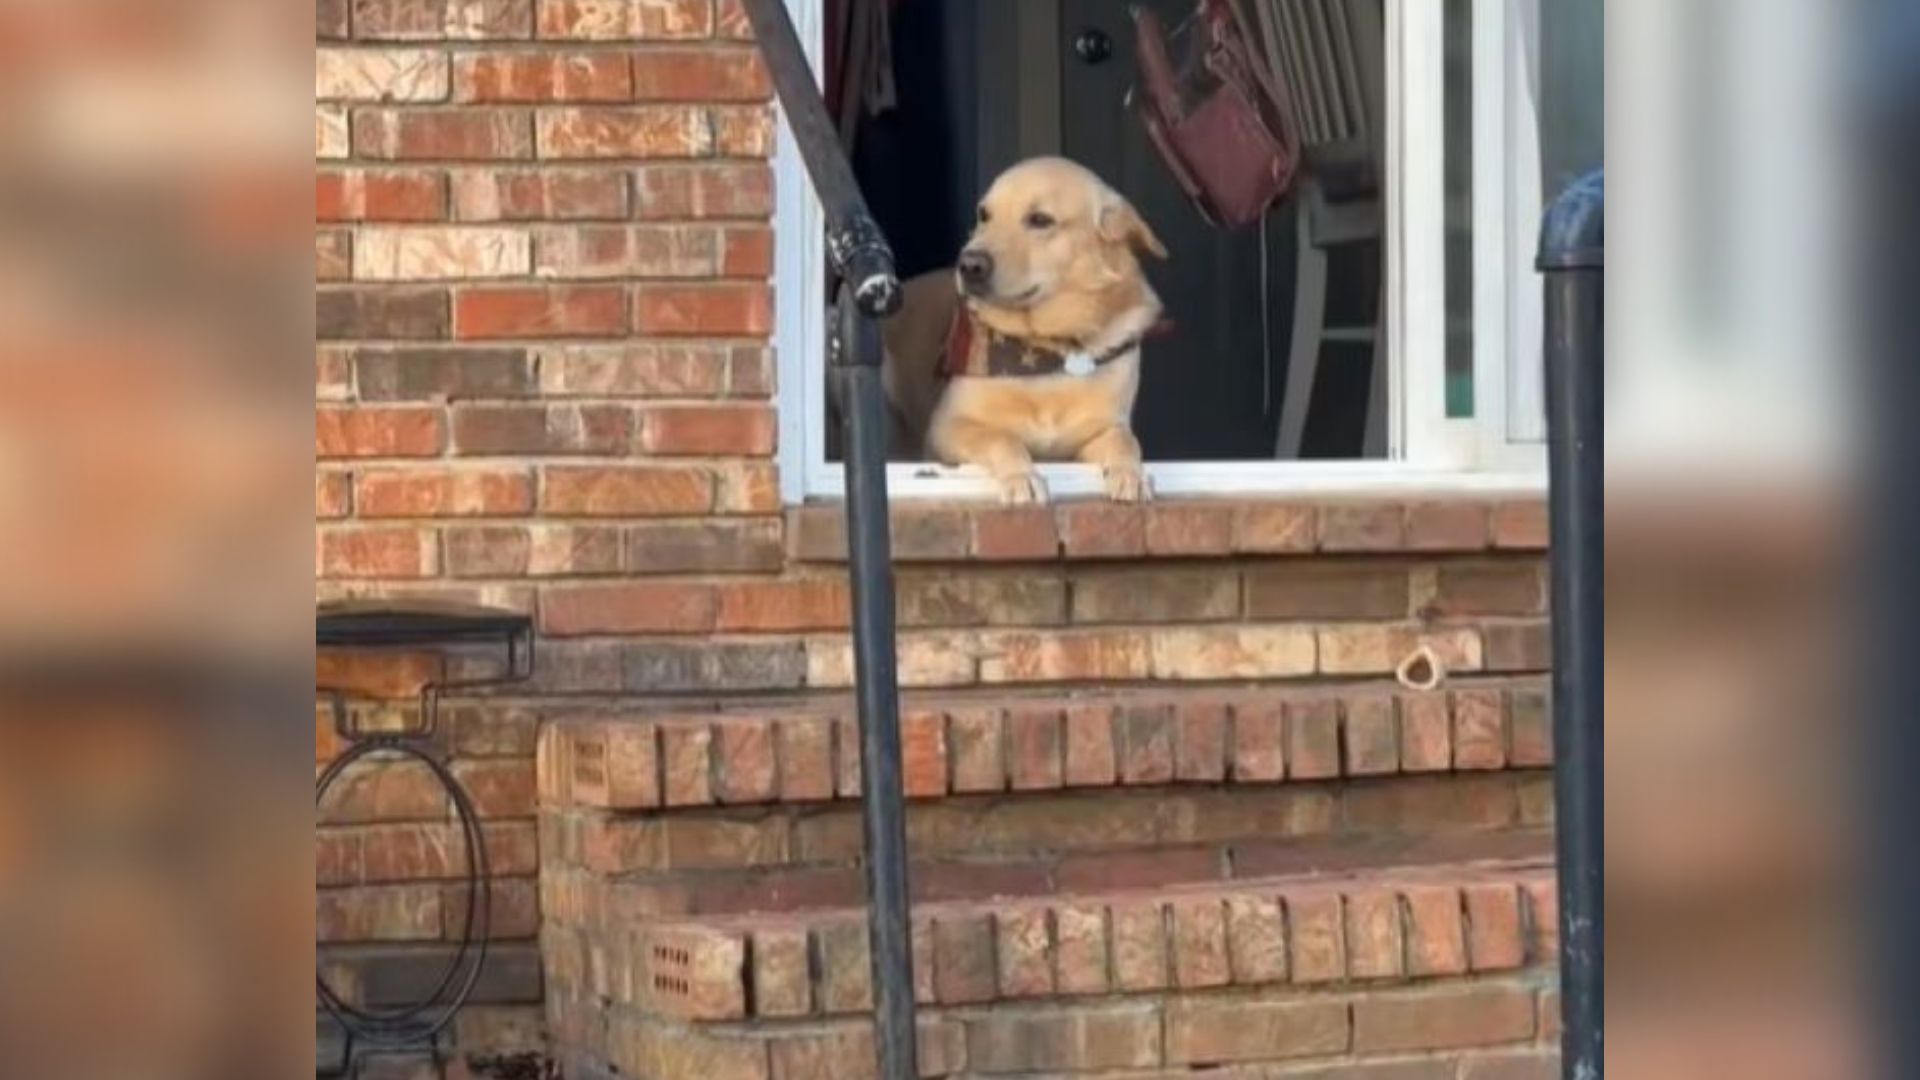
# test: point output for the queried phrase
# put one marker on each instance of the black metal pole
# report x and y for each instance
(1572, 258)
(869, 290)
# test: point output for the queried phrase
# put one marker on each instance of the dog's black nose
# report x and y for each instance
(975, 266)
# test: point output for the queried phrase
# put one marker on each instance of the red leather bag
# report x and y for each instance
(1218, 119)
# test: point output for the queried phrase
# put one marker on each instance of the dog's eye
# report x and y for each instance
(1038, 220)
(983, 215)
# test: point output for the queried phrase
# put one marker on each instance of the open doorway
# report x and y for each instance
(1279, 327)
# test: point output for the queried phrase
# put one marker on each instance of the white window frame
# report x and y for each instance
(1428, 452)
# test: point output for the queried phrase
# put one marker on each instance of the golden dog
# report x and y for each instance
(1044, 357)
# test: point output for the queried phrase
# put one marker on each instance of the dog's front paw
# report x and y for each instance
(1126, 484)
(1021, 489)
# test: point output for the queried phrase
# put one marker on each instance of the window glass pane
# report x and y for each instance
(1459, 206)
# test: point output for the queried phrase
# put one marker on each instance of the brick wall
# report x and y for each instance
(544, 381)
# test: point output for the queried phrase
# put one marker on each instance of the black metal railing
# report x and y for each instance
(869, 290)
(1573, 261)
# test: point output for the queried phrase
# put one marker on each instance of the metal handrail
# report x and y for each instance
(869, 291)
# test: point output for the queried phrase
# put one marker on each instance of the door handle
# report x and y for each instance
(1093, 46)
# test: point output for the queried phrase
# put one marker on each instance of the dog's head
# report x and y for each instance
(1050, 229)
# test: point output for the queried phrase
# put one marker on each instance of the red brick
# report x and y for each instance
(1505, 588)
(1494, 938)
(1519, 1066)
(929, 533)
(332, 494)
(845, 968)
(1442, 1021)
(1532, 723)
(704, 547)
(1520, 525)
(539, 550)
(417, 20)
(743, 131)
(1139, 947)
(394, 913)
(818, 604)
(923, 754)
(625, 251)
(330, 20)
(1328, 590)
(673, 192)
(847, 1053)
(632, 491)
(1189, 529)
(525, 430)
(443, 135)
(1081, 949)
(746, 487)
(1543, 922)
(687, 757)
(435, 373)
(846, 762)
(1313, 738)
(781, 984)
(708, 430)
(1024, 943)
(1154, 596)
(615, 765)
(536, 77)
(1087, 656)
(386, 312)
(749, 369)
(644, 131)
(499, 789)
(746, 252)
(731, 22)
(1274, 529)
(976, 741)
(548, 194)
(626, 19)
(1436, 935)
(1517, 646)
(748, 771)
(1451, 525)
(705, 310)
(1015, 533)
(1316, 935)
(379, 195)
(377, 673)
(963, 955)
(386, 432)
(1257, 940)
(1034, 739)
(1479, 729)
(1362, 527)
(443, 492)
(1200, 944)
(627, 608)
(1200, 744)
(1372, 735)
(1203, 1032)
(1144, 741)
(1426, 733)
(700, 75)
(332, 255)
(1090, 756)
(1102, 530)
(806, 759)
(394, 552)
(1375, 946)
(1259, 742)
(539, 312)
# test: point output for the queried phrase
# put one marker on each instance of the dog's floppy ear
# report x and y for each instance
(1120, 223)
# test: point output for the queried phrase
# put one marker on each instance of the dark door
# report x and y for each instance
(1211, 391)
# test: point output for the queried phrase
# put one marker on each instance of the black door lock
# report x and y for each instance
(1093, 45)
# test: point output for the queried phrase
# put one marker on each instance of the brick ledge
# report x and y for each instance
(1181, 528)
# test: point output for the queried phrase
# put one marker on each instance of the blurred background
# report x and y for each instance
(155, 849)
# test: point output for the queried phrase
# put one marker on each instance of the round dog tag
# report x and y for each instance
(1079, 364)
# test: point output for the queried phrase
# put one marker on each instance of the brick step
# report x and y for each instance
(802, 751)
(1394, 920)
